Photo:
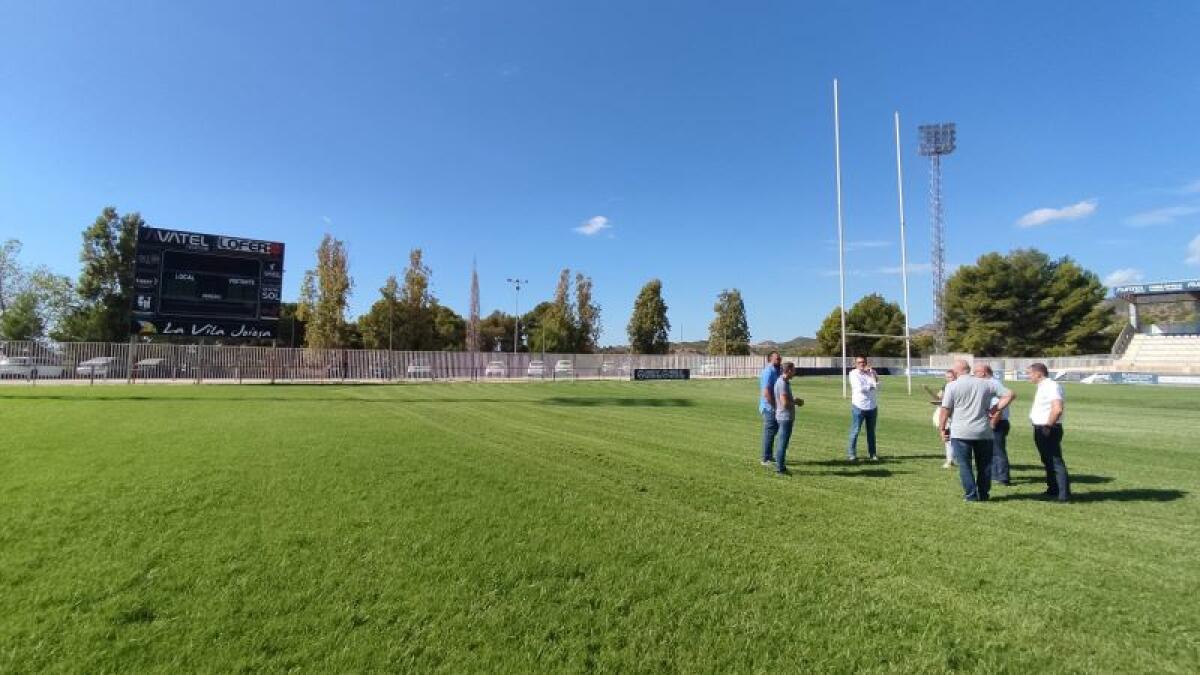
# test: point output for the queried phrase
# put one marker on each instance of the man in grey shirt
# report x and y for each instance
(785, 415)
(970, 433)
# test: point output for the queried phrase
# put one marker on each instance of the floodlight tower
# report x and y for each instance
(937, 140)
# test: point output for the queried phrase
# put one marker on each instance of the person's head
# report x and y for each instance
(951, 375)
(773, 359)
(861, 363)
(1037, 372)
(961, 367)
(789, 369)
(982, 370)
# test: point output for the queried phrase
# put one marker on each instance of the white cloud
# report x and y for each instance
(1163, 216)
(1193, 251)
(913, 268)
(1037, 217)
(593, 226)
(1123, 276)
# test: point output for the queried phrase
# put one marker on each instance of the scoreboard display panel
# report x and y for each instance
(206, 285)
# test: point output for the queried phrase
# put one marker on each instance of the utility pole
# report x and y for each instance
(517, 282)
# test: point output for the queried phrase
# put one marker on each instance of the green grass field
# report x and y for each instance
(610, 526)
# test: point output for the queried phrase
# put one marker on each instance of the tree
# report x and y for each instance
(587, 334)
(327, 327)
(473, 343)
(1025, 304)
(648, 327)
(379, 326)
(729, 332)
(449, 328)
(53, 294)
(496, 329)
(105, 285)
(21, 321)
(12, 278)
(871, 314)
(554, 328)
(291, 327)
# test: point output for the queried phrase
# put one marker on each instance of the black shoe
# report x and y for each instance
(783, 472)
(1049, 494)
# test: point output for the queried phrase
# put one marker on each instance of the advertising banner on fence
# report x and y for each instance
(662, 374)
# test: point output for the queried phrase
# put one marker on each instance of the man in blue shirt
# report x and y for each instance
(766, 407)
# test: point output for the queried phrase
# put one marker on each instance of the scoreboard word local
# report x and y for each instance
(206, 285)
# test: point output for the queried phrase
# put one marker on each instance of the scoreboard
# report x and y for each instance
(206, 285)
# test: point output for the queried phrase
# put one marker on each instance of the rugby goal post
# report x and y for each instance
(907, 337)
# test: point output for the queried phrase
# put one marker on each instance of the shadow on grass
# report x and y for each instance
(1083, 479)
(589, 401)
(1130, 495)
(865, 473)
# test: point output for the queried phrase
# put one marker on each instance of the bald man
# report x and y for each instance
(967, 404)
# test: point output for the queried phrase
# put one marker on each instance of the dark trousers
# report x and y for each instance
(1000, 452)
(978, 483)
(1049, 446)
(781, 445)
(770, 428)
(857, 417)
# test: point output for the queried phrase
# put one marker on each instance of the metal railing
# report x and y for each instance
(140, 362)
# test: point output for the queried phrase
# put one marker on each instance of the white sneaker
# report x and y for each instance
(947, 464)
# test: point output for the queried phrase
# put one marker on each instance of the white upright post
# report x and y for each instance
(837, 159)
(903, 258)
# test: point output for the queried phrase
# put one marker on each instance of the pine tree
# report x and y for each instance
(648, 326)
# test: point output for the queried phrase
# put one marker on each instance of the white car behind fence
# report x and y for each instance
(30, 367)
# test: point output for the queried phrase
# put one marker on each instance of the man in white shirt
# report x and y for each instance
(864, 407)
(1046, 416)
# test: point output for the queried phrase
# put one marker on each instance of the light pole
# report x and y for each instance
(937, 140)
(517, 282)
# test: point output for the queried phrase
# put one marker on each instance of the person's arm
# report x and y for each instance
(769, 395)
(872, 379)
(943, 417)
(784, 400)
(944, 414)
(1056, 410)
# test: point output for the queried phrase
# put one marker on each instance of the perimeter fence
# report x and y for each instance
(150, 362)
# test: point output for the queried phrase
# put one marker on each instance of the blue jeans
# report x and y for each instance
(781, 444)
(1000, 452)
(857, 416)
(975, 487)
(1058, 484)
(770, 428)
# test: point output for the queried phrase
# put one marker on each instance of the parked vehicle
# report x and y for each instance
(614, 368)
(495, 369)
(564, 368)
(536, 369)
(99, 366)
(30, 367)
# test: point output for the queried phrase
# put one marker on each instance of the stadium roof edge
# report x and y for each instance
(1157, 287)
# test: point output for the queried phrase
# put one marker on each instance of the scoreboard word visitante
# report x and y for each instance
(206, 285)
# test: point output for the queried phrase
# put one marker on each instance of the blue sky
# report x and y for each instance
(698, 135)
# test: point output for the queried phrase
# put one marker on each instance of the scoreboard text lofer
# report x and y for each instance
(206, 285)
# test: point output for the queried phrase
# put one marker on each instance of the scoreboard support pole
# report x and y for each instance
(129, 361)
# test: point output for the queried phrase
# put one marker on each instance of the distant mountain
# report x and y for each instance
(790, 348)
